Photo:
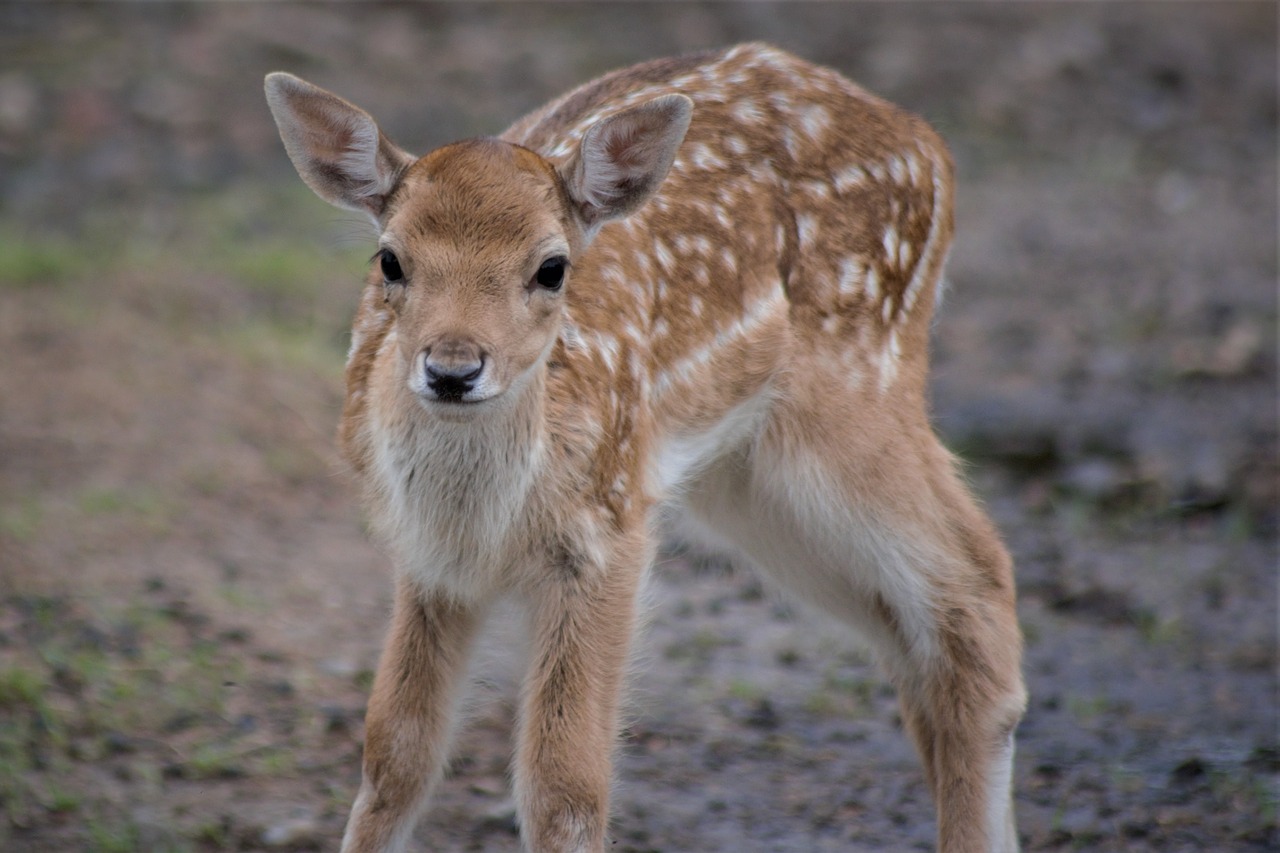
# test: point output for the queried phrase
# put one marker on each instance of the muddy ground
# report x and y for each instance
(190, 611)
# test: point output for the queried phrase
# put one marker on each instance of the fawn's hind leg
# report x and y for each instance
(878, 530)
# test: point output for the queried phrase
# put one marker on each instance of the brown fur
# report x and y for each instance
(742, 332)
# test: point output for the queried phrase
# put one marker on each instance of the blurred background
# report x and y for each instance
(189, 608)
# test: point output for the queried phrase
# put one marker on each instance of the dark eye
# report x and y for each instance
(390, 265)
(551, 273)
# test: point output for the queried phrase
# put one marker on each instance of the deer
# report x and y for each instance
(702, 287)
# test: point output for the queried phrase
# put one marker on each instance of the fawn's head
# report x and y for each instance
(477, 240)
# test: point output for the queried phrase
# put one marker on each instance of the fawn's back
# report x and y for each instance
(799, 206)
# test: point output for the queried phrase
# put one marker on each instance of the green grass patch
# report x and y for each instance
(843, 695)
(21, 520)
(747, 691)
(142, 506)
(112, 836)
(290, 269)
(142, 686)
(1088, 709)
(263, 342)
(28, 261)
(21, 688)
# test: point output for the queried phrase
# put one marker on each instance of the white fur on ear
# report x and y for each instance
(624, 158)
(336, 147)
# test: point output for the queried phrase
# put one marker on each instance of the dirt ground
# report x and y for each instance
(190, 610)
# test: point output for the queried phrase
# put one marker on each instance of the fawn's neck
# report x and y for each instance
(459, 485)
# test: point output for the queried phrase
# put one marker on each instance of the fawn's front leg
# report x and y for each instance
(408, 721)
(582, 624)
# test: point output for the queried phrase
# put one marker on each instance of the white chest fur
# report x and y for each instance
(455, 500)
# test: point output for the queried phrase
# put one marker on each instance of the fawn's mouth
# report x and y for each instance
(457, 405)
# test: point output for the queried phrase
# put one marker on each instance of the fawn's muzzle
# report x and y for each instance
(451, 369)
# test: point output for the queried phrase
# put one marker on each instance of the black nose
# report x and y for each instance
(451, 374)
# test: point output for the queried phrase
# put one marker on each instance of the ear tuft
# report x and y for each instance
(624, 158)
(336, 147)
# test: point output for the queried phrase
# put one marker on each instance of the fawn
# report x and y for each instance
(704, 282)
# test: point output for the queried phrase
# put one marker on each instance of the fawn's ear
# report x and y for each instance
(624, 158)
(336, 147)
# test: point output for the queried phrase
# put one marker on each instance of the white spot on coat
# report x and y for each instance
(904, 254)
(815, 122)
(705, 159)
(898, 169)
(807, 229)
(666, 260)
(729, 260)
(849, 177)
(748, 112)
(850, 276)
(890, 242)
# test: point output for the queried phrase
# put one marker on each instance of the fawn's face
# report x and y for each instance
(477, 238)
(474, 257)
